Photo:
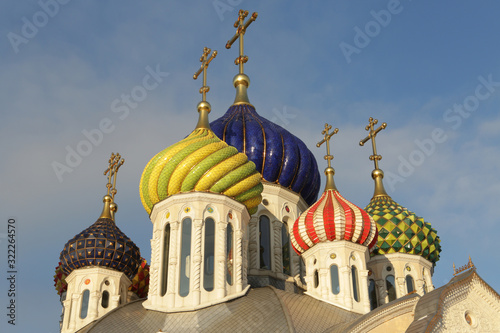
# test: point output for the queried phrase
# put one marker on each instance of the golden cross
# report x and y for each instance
(326, 139)
(372, 134)
(115, 162)
(205, 61)
(241, 28)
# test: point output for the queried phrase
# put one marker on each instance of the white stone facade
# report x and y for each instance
(351, 290)
(401, 266)
(282, 206)
(180, 273)
(92, 292)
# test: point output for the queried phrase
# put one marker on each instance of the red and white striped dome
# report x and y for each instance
(332, 217)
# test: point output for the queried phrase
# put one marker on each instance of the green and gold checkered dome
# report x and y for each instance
(401, 231)
(203, 163)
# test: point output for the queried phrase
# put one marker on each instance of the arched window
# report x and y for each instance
(334, 277)
(229, 254)
(105, 299)
(316, 278)
(265, 242)
(410, 285)
(185, 257)
(355, 284)
(166, 250)
(85, 304)
(208, 271)
(372, 293)
(391, 287)
(285, 249)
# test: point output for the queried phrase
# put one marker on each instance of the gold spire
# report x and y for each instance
(241, 81)
(110, 207)
(204, 107)
(377, 174)
(329, 171)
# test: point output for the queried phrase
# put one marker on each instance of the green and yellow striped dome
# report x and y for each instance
(203, 163)
(400, 230)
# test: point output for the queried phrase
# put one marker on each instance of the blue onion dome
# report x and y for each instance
(279, 156)
(102, 244)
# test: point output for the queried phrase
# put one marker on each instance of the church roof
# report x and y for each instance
(261, 310)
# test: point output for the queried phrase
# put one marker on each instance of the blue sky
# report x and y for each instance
(429, 66)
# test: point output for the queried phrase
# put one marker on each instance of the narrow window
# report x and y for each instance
(334, 276)
(372, 292)
(355, 284)
(391, 287)
(185, 257)
(105, 299)
(285, 249)
(265, 242)
(229, 254)
(166, 250)
(409, 284)
(85, 304)
(316, 279)
(208, 272)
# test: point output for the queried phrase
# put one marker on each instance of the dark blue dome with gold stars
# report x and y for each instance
(102, 244)
(279, 156)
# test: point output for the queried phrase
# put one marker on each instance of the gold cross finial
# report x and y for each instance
(372, 134)
(204, 107)
(329, 171)
(115, 162)
(326, 139)
(241, 28)
(205, 61)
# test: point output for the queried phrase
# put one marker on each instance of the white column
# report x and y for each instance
(154, 268)
(114, 301)
(400, 281)
(93, 305)
(253, 244)
(74, 309)
(68, 303)
(365, 297)
(419, 286)
(278, 256)
(220, 257)
(382, 291)
(240, 270)
(197, 255)
(173, 260)
(346, 286)
(323, 283)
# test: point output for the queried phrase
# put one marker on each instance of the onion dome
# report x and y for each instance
(279, 156)
(140, 282)
(399, 230)
(402, 231)
(102, 244)
(60, 280)
(332, 217)
(201, 162)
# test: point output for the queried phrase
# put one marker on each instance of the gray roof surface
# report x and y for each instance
(264, 309)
